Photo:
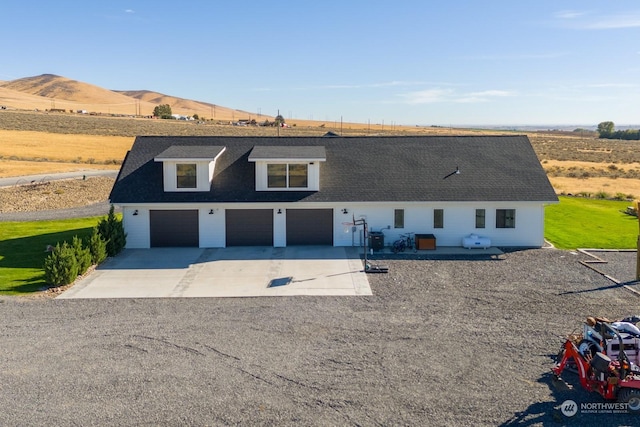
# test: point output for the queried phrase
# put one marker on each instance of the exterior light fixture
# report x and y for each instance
(345, 211)
(135, 212)
(279, 211)
(211, 212)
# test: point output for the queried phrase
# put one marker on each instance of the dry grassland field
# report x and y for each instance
(40, 142)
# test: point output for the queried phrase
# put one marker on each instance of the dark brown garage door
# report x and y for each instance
(309, 227)
(174, 228)
(249, 227)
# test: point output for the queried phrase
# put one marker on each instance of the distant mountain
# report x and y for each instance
(49, 91)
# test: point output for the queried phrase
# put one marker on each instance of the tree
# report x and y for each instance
(112, 231)
(605, 129)
(97, 247)
(163, 111)
(279, 120)
(61, 266)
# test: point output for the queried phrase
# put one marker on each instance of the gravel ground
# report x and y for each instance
(440, 342)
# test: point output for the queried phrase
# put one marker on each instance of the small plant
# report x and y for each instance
(620, 196)
(602, 195)
(97, 247)
(61, 266)
(82, 253)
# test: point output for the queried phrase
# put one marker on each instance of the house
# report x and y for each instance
(283, 191)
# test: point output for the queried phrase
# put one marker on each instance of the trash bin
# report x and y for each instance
(376, 240)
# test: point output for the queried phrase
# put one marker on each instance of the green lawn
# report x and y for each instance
(590, 223)
(22, 250)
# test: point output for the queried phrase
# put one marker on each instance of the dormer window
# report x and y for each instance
(186, 175)
(287, 168)
(291, 175)
(188, 167)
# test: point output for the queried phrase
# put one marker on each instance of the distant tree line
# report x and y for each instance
(607, 130)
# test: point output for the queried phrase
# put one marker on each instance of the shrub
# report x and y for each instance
(602, 195)
(82, 253)
(620, 196)
(97, 247)
(60, 266)
(112, 231)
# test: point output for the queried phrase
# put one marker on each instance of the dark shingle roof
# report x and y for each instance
(371, 169)
(190, 152)
(271, 152)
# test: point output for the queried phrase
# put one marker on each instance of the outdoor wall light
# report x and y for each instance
(211, 212)
(345, 211)
(135, 212)
(279, 211)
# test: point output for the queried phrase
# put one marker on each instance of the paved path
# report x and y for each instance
(11, 181)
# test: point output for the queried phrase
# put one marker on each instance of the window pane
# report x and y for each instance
(186, 175)
(505, 218)
(276, 176)
(398, 218)
(480, 217)
(438, 218)
(298, 176)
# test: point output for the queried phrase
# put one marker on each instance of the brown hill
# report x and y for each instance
(180, 104)
(62, 88)
(49, 91)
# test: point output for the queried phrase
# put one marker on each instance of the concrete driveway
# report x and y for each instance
(228, 272)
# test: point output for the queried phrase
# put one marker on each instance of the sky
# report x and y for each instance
(404, 62)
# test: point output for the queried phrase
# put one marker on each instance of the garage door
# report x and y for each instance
(249, 227)
(309, 227)
(174, 228)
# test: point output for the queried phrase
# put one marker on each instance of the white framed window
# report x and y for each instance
(438, 218)
(505, 218)
(287, 175)
(480, 218)
(398, 218)
(186, 175)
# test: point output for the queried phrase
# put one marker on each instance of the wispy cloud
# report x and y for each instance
(394, 83)
(129, 11)
(516, 56)
(570, 14)
(430, 96)
(613, 85)
(588, 21)
(615, 22)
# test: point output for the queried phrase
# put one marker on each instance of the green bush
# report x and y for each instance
(61, 266)
(112, 231)
(82, 253)
(97, 247)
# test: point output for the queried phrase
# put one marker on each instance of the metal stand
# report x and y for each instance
(368, 267)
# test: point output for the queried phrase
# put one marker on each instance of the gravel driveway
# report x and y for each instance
(446, 342)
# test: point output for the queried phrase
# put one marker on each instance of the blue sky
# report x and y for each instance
(405, 62)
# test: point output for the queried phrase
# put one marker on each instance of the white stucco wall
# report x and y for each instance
(459, 221)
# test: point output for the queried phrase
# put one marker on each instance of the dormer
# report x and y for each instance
(188, 168)
(287, 168)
